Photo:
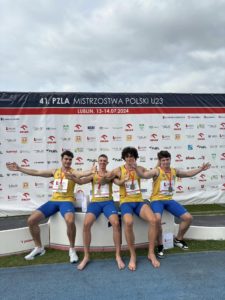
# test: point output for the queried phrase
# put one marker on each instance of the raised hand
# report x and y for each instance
(94, 168)
(12, 166)
(205, 166)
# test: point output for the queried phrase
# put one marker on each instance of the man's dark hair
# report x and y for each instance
(129, 151)
(103, 155)
(68, 153)
(163, 154)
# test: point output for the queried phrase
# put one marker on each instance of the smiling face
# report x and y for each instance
(102, 162)
(165, 162)
(66, 161)
(130, 159)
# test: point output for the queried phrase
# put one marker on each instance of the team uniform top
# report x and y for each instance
(63, 189)
(163, 185)
(130, 191)
(101, 192)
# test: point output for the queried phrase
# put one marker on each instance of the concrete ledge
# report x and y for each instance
(19, 240)
(204, 233)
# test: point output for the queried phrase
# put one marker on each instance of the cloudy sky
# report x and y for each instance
(112, 46)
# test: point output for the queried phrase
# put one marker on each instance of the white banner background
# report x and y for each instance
(36, 141)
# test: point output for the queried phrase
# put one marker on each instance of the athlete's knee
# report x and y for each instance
(128, 223)
(31, 221)
(187, 218)
(115, 224)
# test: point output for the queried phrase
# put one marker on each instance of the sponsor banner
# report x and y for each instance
(193, 133)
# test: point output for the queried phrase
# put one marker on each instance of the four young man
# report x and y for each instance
(127, 177)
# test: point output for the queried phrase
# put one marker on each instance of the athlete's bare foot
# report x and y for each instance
(153, 260)
(120, 263)
(83, 263)
(132, 263)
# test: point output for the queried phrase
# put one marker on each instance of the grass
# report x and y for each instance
(56, 256)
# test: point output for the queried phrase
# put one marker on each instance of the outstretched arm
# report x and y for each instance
(85, 173)
(144, 173)
(78, 180)
(44, 173)
(191, 173)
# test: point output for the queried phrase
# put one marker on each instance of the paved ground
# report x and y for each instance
(192, 276)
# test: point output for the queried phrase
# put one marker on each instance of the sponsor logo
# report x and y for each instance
(39, 162)
(25, 197)
(91, 128)
(191, 188)
(179, 189)
(222, 126)
(190, 136)
(201, 147)
(193, 117)
(38, 140)
(92, 149)
(117, 148)
(202, 177)
(53, 162)
(212, 136)
(24, 129)
(201, 136)
(167, 147)
(154, 137)
(141, 126)
(178, 158)
(51, 139)
(66, 127)
(11, 140)
(79, 160)
(140, 148)
(78, 150)
(78, 128)
(49, 150)
(65, 139)
(117, 138)
(189, 157)
(24, 140)
(202, 157)
(189, 126)
(50, 128)
(104, 138)
(129, 127)
(39, 185)
(222, 136)
(154, 148)
(25, 185)
(65, 149)
(129, 138)
(165, 126)
(117, 159)
(103, 128)
(12, 198)
(142, 159)
(212, 125)
(24, 151)
(152, 127)
(103, 149)
(178, 147)
(91, 139)
(10, 129)
(118, 127)
(38, 128)
(190, 147)
(215, 177)
(201, 126)
(165, 137)
(142, 137)
(91, 160)
(11, 186)
(177, 137)
(78, 139)
(25, 163)
(177, 126)
(11, 151)
(209, 117)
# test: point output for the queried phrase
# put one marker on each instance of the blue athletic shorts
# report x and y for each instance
(172, 206)
(107, 207)
(131, 207)
(52, 207)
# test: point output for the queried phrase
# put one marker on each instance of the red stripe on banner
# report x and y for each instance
(110, 110)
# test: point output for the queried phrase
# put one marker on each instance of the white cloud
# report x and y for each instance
(112, 46)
